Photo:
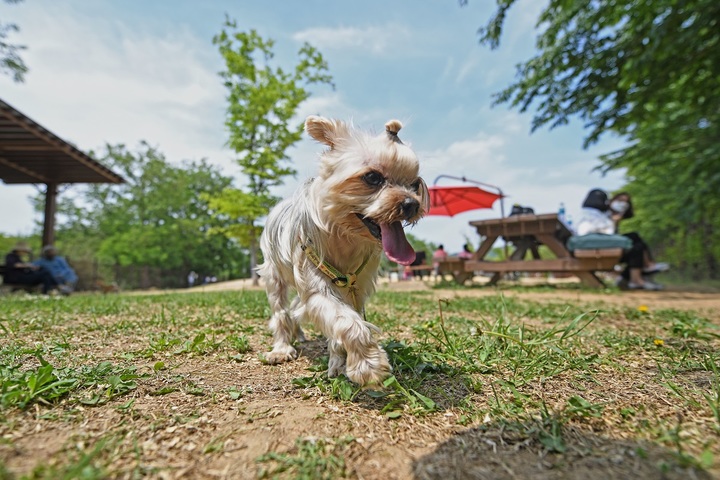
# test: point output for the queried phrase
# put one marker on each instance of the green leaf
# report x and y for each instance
(429, 403)
(391, 380)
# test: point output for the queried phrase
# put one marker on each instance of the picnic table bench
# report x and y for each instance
(455, 267)
(12, 287)
(527, 232)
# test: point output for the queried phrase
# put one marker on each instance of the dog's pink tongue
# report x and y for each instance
(395, 244)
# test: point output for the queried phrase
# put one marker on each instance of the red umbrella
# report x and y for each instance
(449, 201)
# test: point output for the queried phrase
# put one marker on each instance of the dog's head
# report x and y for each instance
(368, 185)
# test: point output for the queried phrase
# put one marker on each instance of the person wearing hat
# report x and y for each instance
(62, 273)
(19, 272)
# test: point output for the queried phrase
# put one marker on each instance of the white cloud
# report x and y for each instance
(17, 215)
(96, 80)
(101, 80)
(377, 39)
(464, 157)
(447, 71)
(471, 64)
(328, 105)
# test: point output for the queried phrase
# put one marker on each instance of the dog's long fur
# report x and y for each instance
(325, 214)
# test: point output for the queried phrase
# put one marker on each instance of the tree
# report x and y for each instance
(648, 72)
(157, 218)
(10, 61)
(262, 102)
(239, 210)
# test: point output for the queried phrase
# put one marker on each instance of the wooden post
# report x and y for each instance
(48, 237)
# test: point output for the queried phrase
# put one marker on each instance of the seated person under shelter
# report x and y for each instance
(439, 255)
(20, 272)
(466, 254)
(420, 260)
(63, 275)
(599, 215)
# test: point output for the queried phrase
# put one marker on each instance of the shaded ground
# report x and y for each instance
(203, 411)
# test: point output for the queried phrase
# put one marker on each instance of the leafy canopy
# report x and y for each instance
(618, 65)
(262, 101)
(157, 218)
(10, 61)
(649, 72)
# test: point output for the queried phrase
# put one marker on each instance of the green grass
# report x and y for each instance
(93, 384)
(534, 369)
(310, 459)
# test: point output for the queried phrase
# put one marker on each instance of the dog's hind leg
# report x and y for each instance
(282, 325)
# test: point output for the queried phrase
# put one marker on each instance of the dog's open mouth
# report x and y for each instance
(372, 226)
(393, 239)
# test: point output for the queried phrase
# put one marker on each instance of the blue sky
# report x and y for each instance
(122, 72)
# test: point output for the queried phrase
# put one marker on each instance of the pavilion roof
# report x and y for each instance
(29, 153)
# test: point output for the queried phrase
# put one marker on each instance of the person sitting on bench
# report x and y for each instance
(64, 276)
(439, 255)
(621, 208)
(19, 272)
(598, 217)
(466, 254)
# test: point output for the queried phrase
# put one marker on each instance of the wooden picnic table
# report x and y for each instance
(526, 233)
(455, 266)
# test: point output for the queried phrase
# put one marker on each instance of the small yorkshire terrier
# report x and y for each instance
(326, 241)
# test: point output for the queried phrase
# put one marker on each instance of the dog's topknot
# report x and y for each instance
(392, 128)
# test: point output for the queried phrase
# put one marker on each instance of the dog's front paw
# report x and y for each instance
(369, 369)
(281, 355)
(336, 365)
(300, 336)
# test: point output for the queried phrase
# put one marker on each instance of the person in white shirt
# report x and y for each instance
(599, 215)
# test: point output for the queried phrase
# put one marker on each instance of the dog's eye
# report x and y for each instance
(374, 179)
(416, 186)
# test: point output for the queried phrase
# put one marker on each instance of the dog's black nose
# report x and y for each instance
(409, 207)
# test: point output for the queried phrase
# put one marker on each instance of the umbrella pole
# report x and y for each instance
(502, 214)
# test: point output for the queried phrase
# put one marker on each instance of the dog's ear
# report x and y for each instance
(424, 195)
(325, 130)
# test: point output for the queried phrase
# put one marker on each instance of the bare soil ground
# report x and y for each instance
(193, 429)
